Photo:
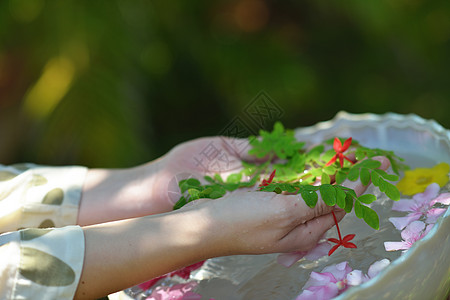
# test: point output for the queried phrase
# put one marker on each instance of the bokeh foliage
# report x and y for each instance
(116, 83)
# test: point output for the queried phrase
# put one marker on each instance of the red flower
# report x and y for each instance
(266, 182)
(340, 149)
(342, 241)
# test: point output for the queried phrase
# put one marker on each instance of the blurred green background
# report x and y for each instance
(117, 83)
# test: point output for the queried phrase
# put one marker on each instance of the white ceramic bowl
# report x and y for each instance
(424, 271)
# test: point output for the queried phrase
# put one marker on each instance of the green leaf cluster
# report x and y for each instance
(331, 195)
(191, 189)
(297, 169)
(397, 163)
(280, 143)
(367, 170)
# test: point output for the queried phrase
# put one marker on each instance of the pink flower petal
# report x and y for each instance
(339, 271)
(319, 251)
(288, 259)
(442, 198)
(176, 292)
(319, 279)
(307, 295)
(324, 292)
(377, 267)
(402, 222)
(434, 213)
(394, 246)
(356, 277)
(413, 231)
(403, 205)
(191, 296)
(430, 192)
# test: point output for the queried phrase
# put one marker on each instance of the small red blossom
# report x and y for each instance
(340, 149)
(267, 182)
(342, 241)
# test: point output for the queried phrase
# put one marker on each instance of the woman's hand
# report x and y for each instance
(263, 222)
(197, 158)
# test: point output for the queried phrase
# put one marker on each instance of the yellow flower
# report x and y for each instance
(416, 181)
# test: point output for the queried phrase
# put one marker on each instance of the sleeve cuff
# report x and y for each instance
(40, 196)
(41, 263)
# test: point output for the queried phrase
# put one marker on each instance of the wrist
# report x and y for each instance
(208, 228)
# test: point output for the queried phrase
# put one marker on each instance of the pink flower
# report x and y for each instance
(177, 292)
(326, 285)
(421, 206)
(357, 277)
(288, 259)
(335, 279)
(411, 234)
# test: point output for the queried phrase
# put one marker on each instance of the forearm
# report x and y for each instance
(124, 253)
(116, 194)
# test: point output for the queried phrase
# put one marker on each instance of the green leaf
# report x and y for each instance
(360, 154)
(330, 170)
(364, 175)
(193, 182)
(382, 185)
(310, 197)
(217, 193)
(390, 177)
(190, 183)
(279, 142)
(234, 178)
(209, 179)
(353, 174)
(325, 157)
(248, 168)
(314, 153)
(194, 194)
(315, 172)
(180, 203)
(368, 163)
(371, 217)
(391, 191)
(325, 178)
(340, 197)
(348, 203)
(375, 178)
(359, 210)
(349, 191)
(289, 188)
(328, 194)
(367, 199)
(297, 163)
(231, 186)
(340, 177)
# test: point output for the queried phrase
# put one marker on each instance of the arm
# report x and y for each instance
(124, 253)
(116, 194)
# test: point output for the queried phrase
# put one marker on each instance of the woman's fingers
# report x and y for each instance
(306, 236)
